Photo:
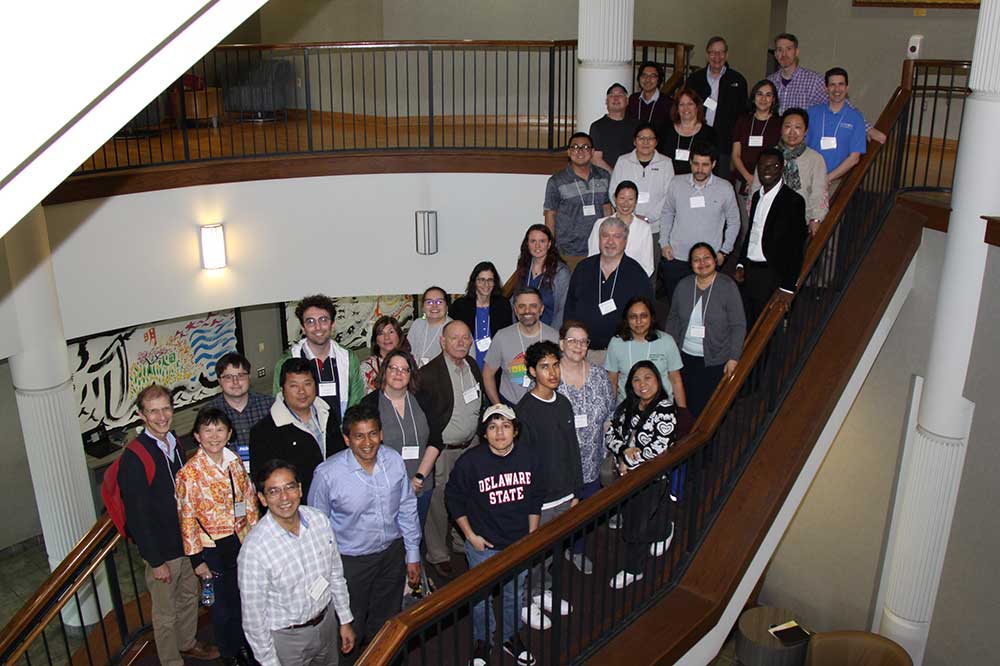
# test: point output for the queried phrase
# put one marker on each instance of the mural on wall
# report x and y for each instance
(110, 370)
(355, 316)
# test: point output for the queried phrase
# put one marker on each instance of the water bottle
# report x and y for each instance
(207, 592)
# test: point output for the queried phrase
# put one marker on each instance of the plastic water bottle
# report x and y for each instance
(207, 592)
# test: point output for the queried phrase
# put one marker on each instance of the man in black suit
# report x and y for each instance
(452, 397)
(725, 93)
(773, 250)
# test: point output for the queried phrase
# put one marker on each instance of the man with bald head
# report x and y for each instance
(452, 396)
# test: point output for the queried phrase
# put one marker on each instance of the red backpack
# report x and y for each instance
(111, 492)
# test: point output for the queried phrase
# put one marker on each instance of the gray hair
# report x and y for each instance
(613, 221)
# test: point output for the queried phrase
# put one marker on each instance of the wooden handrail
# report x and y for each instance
(43, 596)
(395, 632)
(455, 43)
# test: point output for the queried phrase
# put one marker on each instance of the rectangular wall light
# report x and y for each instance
(213, 247)
(426, 224)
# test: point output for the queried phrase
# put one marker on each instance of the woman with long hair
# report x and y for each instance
(688, 126)
(638, 340)
(755, 130)
(424, 335)
(387, 335)
(540, 266)
(483, 307)
(643, 426)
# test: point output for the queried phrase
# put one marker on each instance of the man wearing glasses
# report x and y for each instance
(338, 372)
(575, 198)
(243, 406)
(290, 572)
(725, 93)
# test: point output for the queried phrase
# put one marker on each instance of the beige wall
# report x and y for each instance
(870, 42)
(827, 567)
(288, 21)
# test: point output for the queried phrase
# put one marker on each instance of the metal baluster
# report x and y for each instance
(308, 94)
(552, 96)
(83, 629)
(430, 96)
(116, 598)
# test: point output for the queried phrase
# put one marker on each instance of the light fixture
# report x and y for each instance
(213, 247)
(426, 223)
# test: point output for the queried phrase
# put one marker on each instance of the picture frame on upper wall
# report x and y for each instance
(919, 4)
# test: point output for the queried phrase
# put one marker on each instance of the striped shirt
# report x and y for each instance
(279, 579)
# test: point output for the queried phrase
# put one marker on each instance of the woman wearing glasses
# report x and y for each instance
(425, 333)
(217, 506)
(588, 389)
(404, 425)
(387, 335)
(483, 308)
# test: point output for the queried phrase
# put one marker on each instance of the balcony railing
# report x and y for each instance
(249, 101)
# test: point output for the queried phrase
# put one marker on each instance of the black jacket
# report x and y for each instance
(732, 102)
(151, 509)
(464, 309)
(292, 444)
(436, 395)
(785, 234)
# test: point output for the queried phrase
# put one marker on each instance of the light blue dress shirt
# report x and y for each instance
(368, 511)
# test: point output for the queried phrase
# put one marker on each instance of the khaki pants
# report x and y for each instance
(175, 610)
(437, 530)
(308, 646)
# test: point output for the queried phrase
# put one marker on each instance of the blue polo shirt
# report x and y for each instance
(848, 126)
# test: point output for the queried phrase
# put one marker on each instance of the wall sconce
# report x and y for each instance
(213, 247)
(426, 223)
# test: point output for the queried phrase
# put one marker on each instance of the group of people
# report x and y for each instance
(497, 412)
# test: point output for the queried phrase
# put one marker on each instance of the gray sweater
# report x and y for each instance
(716, 221)
(725, 322)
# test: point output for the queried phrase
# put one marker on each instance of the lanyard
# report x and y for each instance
(531, 279)
(521, 340)
(427, 345)
(599, 275)
(651, 107)
(708, 297)
(762, 129)
(413, 420)
(593, 194)
(690, 143)
(823, 131)
(649, 347)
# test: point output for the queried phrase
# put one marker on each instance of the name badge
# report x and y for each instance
(317, 588)
(607, 307)
(483, 344)
(643, 197)
(710, 104)
(424, 360)
(327, 389)
(828, 143)
(589, 210)
(240, 509)
(756, 141)
(526, 381)
(580, 420)
(682, 155)
(411, 452)
(698, 202)
(470, 395)
(697, 332)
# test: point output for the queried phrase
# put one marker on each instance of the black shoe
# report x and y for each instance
(228, 661)
(480, 654)
(245, 658)
(516, 648)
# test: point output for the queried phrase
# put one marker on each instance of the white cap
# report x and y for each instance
(502, 410)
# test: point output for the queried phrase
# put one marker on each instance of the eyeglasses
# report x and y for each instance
(645, 139)
(649, 75)
(398, 369)
(485, 280)
(434, 301)
(235, 377)
(275, 492)
(158, 411)
(581, 342)
(312, 321)
(581, 148)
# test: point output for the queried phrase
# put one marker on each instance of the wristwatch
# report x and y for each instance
(418, 476)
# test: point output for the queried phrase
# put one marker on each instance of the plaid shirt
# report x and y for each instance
(806, 89)
(258, 407)
(277, 570)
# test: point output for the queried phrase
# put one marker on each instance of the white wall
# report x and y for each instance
(132, 259)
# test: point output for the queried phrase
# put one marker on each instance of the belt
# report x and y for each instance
(755, 264)
(311, 623)
(459, 446)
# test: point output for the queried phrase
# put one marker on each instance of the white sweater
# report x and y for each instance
(652, 181)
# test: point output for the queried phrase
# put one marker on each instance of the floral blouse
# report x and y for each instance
(208, 493)
(596, 399)
(369, 371)
(653, 436)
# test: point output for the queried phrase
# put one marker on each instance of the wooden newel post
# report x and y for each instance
(906, 82)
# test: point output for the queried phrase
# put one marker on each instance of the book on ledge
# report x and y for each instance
(789, 633)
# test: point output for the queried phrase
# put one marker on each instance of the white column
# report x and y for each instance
(604, 53)
(936, 444)
(44, 391)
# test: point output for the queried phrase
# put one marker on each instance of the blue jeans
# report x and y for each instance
(423, 506)
(589, 489)
(509, 607)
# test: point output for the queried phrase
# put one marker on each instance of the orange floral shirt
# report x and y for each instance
(205, 494)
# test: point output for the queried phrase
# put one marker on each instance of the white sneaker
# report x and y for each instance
(659, 547)
(533, 616)
(623, 579)
(545, 601)
(615, 521)
(580, 561)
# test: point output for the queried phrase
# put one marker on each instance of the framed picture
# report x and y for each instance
(926, 4)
